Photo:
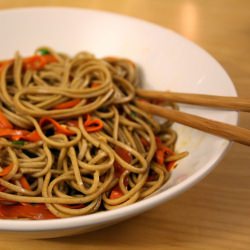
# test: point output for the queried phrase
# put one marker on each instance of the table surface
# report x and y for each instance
(215, 214)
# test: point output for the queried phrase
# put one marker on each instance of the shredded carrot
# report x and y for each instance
(171, 165)
(93, 125)
(67, 105)
(6, 170)
(4, 123)
(12, 132)
(32, 136)
(144, 142)
(4, 63)
(33, 62)
(95, 84)
(116, 193)
(38, 61)
(35, 212)
(59, 128)
(162, 151)
(24, 183)
(159, 154)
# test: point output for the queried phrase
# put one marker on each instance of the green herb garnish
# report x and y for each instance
(43, 52)
(19, 143)
(133, 114)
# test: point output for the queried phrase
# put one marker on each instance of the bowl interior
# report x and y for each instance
(167, 61)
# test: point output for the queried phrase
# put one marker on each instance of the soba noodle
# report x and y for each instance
(91, 149)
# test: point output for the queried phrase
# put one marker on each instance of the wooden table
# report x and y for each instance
(215, 214)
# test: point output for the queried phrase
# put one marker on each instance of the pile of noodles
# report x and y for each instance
(75, 174)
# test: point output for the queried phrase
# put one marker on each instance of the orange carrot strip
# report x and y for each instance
(35, 212)
(15, 134)
(38, 62)
(159, 154)
(59, 128)
(4, 63)
(34, 62)
(66, 105)
(6, 170)
(171, 165)
(32, 136)
(24, 183)
(96, 125)
(144, 142)
(4, 123)
(92, 125)
(162, 151)
(116, 193)
(88, 120)
(95, 84)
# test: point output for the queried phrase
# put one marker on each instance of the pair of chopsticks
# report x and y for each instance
(230, 132)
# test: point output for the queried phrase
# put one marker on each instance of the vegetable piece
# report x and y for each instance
(6, 170)
(24, 183)
(67, 105)
(58, 127)
(34, 62)
(171, 165)
(13, 132)
(43, 52)
(144, 142)
(32, 136)
(16, 135)
(160, 156)
(4, 123)
(4, 63)
(133, 114)
(95, 84)
(20, 143)
(116, 193)
(35, 212)
(93, 125)
(38, 62)
(90, 125)
(162, 151)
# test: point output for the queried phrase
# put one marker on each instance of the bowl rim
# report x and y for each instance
(139, 206)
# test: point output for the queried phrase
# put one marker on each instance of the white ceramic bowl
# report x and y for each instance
(168, 61)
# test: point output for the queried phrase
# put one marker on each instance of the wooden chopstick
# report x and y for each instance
(230, 132)
(226, 102)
